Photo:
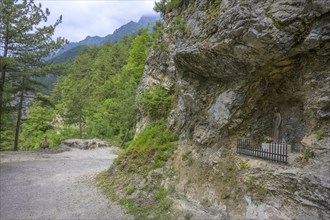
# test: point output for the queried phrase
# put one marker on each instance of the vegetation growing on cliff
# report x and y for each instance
(166, 6)
(156, 101)
(149, 150)
(135, 173)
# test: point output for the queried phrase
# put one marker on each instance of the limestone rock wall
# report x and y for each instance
(233, 64)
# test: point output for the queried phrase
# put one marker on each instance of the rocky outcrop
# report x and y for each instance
(240, 60)
(229, 68)
(84, 144)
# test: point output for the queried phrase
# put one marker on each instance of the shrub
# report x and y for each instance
(251, 183)
(150, 150)
(157, 33)
(165, 6)
(268, 139)
(156, 101)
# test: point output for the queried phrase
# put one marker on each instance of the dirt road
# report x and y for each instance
(55, 186)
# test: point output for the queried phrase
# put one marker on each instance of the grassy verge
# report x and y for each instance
(134, 180)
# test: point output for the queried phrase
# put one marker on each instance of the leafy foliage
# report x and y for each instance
(156, 101)
(157, 33)
(165, 6)
(36, 125)
(98, 92)
(43, 123)
(24, 41)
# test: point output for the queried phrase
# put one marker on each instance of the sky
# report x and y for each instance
(82, 18)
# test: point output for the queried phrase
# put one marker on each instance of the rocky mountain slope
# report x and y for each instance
(229, 66)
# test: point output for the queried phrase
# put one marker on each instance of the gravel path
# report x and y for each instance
(55, 186)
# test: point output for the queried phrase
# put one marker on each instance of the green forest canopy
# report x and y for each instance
(95, 98)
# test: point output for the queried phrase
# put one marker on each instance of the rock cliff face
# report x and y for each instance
(232, 64)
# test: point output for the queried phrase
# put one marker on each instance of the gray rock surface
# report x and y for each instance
(231, 67)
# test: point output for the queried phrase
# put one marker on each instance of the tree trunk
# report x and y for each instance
(125, 137)
(2, 82)
(80, 123)
(2, 104)
(19, 116)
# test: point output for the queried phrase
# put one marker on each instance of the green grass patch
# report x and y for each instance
(141, 208)
(251, 183)
(187, 156)
(320, 134)
(150, 150)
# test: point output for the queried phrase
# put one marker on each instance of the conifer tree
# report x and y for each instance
(23, 41)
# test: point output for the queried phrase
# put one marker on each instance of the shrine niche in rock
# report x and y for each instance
(272, 148)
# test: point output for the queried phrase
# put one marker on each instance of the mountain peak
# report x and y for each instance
(146, 19)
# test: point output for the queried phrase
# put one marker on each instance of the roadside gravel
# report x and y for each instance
(36, 185)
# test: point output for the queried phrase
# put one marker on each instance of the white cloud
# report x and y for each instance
(83, 18)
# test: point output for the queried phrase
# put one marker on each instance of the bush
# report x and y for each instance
(157, 34)
(150, 150)
(57, 135)
(165, 6)
(37, 124)
(156, 102)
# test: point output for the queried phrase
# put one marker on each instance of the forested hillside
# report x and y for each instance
(94, 99)
(69, 51)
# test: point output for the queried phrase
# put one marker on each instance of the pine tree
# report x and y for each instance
(98, 92)
(23, 41)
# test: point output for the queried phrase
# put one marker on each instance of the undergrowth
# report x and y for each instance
(156, 207)
(150, 150)
(156, 102)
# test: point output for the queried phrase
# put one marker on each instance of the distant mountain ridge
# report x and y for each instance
(125, 30)
(69, 51)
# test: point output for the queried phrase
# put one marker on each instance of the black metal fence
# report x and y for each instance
(270, 151)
